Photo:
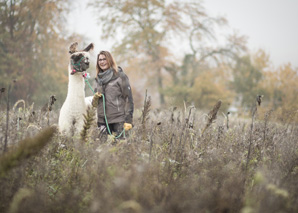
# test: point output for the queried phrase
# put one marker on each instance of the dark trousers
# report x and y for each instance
(115, 128)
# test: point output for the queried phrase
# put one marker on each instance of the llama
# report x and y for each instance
(71, 119)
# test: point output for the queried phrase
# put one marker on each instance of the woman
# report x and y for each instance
(117, 104)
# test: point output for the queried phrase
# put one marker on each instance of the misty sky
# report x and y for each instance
(269, 24)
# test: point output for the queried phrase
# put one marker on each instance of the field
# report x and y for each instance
(173, 160)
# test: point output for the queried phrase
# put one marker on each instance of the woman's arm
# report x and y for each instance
(129, 105)
(128, 98)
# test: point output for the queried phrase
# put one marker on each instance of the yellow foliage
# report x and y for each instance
(281, 87)
(209, 87)
(281, 90)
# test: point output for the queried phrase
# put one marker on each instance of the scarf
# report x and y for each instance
(105, 77)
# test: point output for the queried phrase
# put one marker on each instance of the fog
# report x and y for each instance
(269, 25)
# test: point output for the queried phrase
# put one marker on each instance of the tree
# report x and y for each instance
(281, 88)
(208, 87)
(33, 48)
(197, 65)
(146, 27)
(247, 74)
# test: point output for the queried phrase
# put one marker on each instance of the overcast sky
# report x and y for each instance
(269, 24)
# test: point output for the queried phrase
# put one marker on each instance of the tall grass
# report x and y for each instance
(174, 168)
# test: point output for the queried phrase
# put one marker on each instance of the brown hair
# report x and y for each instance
(111, 62)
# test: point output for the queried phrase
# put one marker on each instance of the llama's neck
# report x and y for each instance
(76, 85)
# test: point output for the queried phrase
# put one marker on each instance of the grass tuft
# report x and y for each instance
(25, 149)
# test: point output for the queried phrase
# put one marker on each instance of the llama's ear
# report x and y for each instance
(89, 47)
(73, 48)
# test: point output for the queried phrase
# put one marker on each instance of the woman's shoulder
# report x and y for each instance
(122, 73)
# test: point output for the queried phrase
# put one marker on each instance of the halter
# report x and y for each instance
(76, 66)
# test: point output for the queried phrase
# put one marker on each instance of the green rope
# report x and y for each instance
(104, 111)
(86, 80)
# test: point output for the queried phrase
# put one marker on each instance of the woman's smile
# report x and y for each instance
(102, 62)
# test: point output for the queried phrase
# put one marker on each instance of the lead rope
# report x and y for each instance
(104, 110)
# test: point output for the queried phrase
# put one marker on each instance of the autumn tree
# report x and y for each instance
(205, 72)
(208, 87)
(280, 87)
(33, 47)
(145, 28)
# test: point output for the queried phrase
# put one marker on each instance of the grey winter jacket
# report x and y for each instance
(119, 104)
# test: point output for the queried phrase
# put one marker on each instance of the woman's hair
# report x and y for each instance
(110, 60)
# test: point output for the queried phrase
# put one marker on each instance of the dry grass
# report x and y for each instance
(174, 169)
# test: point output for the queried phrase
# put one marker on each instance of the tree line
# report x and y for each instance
(148, 37)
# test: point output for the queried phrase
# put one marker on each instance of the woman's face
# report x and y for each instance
(102, 62)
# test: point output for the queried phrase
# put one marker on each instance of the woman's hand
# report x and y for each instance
(127, 126)
(95, 99)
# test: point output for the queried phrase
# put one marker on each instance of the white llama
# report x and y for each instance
(71, 117)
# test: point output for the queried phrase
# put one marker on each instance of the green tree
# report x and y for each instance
(33, 48)
(247, 74)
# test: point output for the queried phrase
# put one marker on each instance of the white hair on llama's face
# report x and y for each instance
(79, 60)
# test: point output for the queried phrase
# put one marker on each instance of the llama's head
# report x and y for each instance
(79, 60)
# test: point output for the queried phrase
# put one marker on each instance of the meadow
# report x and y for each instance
(173, 160)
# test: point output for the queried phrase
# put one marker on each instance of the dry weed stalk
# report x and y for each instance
(253, 116)
(212, 115)
(182, 141)
(2, 90)
(50, 106)
(89, 117)
(145, 113)
(47, 108)
(266, 121)
(17, 103)
(146, 109)
(172, 115)
(25, 149)
(151, 140)
(14, 108)
(228, 113)
(187, 120)
(7, 119)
